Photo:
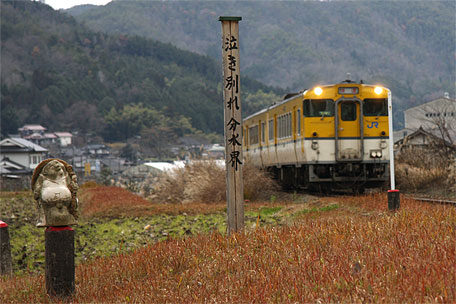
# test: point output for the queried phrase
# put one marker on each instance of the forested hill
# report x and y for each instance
(59, 73)
(407, 45)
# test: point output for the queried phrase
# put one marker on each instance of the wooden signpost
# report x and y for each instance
(233, 123)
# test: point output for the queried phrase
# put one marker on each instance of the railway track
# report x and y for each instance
(432, 200)
(348, 193)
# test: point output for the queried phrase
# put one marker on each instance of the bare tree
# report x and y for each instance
(440, 121)
(159, 139)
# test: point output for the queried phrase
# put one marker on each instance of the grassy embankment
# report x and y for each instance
(340, 249)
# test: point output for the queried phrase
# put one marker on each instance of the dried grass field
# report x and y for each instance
(294, 249)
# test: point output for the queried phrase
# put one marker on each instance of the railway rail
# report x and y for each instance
(348, 193)
(432, 200)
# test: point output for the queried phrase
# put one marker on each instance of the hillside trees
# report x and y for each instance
(411, 45)
(64, 76)
(132, 119)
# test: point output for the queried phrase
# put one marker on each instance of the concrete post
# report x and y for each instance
(5, 250)
(59, 248)
(394, 199)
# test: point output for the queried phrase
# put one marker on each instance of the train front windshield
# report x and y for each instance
(375, 107)
(318, 107)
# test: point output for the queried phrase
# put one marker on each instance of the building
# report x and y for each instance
(37, 134)
(30, 131)
(97, 150)
(18, 155)
(428, 115)
(64, 138)
(426, 123)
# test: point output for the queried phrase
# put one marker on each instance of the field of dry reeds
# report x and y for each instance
(422, 171)
(344, 250)
(206, 182)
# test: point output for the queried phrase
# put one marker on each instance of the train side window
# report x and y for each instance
(279, 126)
(286, 125)
(271, 129)
(289, 125)
(348, 111)
(318, 107)
(298, 122)
(375, 107)
(262, 132)
(253, 132)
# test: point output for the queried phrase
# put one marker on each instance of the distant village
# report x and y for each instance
(21, 153)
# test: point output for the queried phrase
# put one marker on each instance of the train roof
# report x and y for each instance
(291, 96)
(288, 97)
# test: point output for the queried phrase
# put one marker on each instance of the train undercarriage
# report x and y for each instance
(355, 176)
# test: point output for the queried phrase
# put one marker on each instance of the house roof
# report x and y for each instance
(95, 147)
(8, 166)
(63, 134)
(21, 143)
(32, 127)
(429, 103)
(50, 135)
(434, 133)
(34, 136)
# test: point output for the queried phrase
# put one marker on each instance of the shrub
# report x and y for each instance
(205, 182)
(420, 169)
(89, 184)
(415, 178)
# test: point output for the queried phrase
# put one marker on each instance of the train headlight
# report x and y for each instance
(314, 145)
(318, 91)
(375, 153)
(378, 90)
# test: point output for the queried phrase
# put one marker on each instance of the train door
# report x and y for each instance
(349, 133)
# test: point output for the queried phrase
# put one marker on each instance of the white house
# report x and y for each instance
(64, 138)
(20, 152)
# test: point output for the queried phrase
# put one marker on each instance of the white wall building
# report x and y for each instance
(428, 115)
(436, 117)
(21, 151)
(64, 138)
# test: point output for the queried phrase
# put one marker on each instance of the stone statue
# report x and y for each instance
(54, 186)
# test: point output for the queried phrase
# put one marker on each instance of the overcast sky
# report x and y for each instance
(64, 4)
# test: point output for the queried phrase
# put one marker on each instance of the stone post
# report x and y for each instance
(60, 274)
(393, 199)
(5, 250)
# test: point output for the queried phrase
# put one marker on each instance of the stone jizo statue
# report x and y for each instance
(54, 186)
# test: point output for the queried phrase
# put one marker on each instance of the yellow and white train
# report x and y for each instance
(331, 137)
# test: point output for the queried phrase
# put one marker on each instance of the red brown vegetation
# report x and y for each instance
(370, 255)
(114, 202)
